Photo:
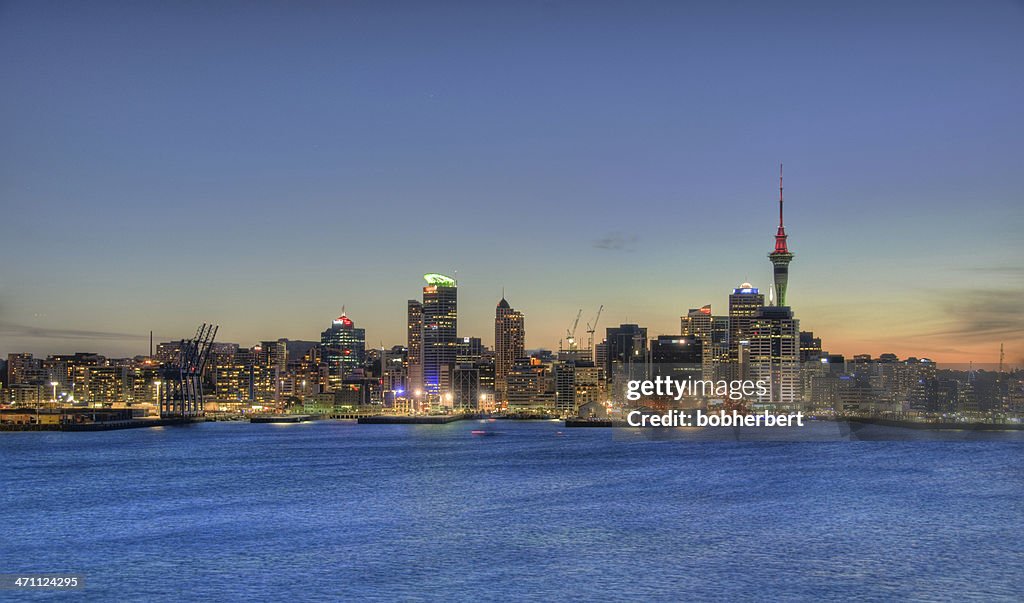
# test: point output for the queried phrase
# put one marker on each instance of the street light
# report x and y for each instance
(54, 384)
(158, 384)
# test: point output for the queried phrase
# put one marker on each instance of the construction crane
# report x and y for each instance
(571, 333)
(592, 328)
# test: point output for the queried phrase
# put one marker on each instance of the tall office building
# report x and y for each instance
(626, 344)
(713, 333)
(627, 357)
(509, 344)
(344, 348)
(275, 354)
(414, 332)
(440, 320)
(697, 322)
(677, 356)
(744, 303)
(775, 356)
(601, 356)
(810, 347)
(469, 349)
(780, 257)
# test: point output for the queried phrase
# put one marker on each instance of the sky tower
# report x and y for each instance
(781, 257)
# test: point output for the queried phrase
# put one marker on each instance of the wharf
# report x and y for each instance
(595, 423)
(279, 418)
(397, 420)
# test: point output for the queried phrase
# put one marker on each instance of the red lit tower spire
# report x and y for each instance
(781, 257)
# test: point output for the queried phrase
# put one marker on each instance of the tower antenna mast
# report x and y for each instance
(781, 256)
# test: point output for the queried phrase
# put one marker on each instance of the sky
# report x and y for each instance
(261, 165)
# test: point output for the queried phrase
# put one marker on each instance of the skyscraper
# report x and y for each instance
(509, 344)
(677, 356)
(744, 303)
(627, 357)
(344, 348)
(697, 322)
(781, 257)
(440, 319)
(414, 328)
(713, 333)
(775, 356)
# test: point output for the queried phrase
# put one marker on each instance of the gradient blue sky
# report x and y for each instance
(261, 164)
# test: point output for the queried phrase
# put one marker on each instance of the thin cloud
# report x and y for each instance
(985, 315)
(617, 241)
(1010, 272)
(52, 333)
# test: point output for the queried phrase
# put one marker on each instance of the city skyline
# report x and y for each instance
(152, 190)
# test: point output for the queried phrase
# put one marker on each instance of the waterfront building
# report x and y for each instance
(509, 344)
(530, 387)
(23, 368)
(440, 322)
(343, 346)
(466, 388)
(356, 390)
(110, 385)
(414, 344)
(577, 382)
(247, 384)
